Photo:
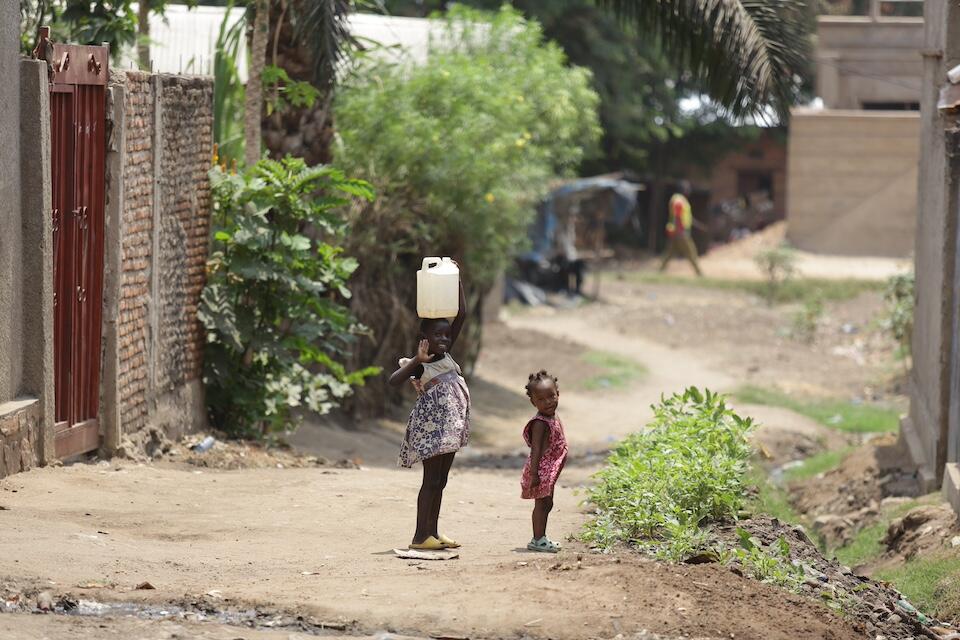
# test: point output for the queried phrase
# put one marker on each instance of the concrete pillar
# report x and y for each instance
(37, 343)
(11, 276)
(935, 377)
(110, 423)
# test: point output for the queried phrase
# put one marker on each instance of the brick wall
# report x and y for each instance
(184, 226)
(164, 226)
(136, 247)
(20, 435)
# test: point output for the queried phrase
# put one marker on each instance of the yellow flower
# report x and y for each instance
(519, 98)
(489, 198)
(527, 135)
(520, 142)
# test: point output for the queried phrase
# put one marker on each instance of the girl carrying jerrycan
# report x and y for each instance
(439, 424)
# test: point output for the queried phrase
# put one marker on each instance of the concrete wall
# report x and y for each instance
(160, 151)
(852, 182)
(26, 300)
(11, 244)
(865, 59)
(932, 427)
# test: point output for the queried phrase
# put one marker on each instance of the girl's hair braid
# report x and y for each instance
(537, 378)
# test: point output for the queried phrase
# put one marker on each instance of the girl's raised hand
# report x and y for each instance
(423, 351)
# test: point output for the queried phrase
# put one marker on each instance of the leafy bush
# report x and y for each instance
(273, 305)
(900, 295)
(460, 149)
(663, 485)
(779, 266)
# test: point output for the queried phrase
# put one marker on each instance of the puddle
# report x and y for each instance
(190, 612)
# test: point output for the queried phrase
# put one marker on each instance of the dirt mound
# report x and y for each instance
(748, 247)
(875, 608)
(845, 499)
(921, 531)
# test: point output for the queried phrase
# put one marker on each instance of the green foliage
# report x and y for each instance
(286, 92)
(748, 56)
(837, 414)
(779, 266)
(663, 485)
(619, 372)
(228, 89)
(461, 147)
(273, 304)
(931, 583)
(769, 564)
(900, 294)
(80, 22)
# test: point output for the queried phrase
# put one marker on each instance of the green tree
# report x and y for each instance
(748, 55)
(459, 150)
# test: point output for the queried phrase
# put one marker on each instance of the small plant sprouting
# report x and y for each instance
(779, 266)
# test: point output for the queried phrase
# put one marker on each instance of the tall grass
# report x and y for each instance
(838, 414)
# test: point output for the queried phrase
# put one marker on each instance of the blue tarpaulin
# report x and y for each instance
(543, 233)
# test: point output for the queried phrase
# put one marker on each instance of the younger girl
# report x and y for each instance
(548, 452)
(439, 424)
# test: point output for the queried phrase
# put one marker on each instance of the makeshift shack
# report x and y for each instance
(570, 234)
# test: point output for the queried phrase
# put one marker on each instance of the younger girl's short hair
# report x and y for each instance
(537, 378)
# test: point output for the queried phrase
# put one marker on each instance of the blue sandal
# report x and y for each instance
(543, 545)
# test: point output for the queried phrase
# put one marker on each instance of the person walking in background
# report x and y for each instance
(679, 225)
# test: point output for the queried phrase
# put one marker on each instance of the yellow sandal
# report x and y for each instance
(449, 543)
(430, 544)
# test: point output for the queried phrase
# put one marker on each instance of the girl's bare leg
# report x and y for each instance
(430, 489)
(447, 462)
(541, 511)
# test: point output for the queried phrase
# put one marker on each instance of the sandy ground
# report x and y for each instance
(735, 261)
(317, 542)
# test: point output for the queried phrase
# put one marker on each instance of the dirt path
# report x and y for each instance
(317, 543)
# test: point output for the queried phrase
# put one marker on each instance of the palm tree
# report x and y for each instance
(309, 41)
(253, 99)
(748, 55)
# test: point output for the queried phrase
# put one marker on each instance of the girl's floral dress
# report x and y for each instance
(440, 420)
(551, 461)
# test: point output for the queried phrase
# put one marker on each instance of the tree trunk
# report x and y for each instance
(301, 132)
(253, 104)
(143, 35)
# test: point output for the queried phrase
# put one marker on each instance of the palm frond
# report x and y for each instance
(748, 54)
(322, 28)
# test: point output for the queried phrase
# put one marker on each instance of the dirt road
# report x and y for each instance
(317, 543)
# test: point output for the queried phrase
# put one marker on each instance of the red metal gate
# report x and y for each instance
(78, 84)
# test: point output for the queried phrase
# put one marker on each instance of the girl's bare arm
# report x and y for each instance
(461, 316)
(413, 368)
(538, 443)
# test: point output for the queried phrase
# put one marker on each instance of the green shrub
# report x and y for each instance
(779, 266)
(459, 149)
(273, 305)
(900, 295)
(806, 321)
(663, 485)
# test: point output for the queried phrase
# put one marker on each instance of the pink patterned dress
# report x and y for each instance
(551, 461)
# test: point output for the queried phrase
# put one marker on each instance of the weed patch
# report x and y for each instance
(932, 584)
(662, 487)
(817, 464)
(618, 372)
(837, 414)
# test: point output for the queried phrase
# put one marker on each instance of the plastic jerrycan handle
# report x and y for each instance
(429, 263)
